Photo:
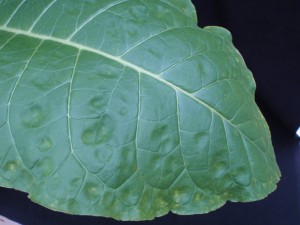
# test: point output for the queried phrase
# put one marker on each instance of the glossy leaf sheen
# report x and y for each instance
(127, 109)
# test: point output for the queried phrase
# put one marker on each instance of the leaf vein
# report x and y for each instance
(68, 112)
(40, 16)
(148, 38)
(92, 17)
(14, 13)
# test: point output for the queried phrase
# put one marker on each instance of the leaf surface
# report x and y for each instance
(127, 109)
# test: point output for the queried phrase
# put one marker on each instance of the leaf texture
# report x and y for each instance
(127, 109)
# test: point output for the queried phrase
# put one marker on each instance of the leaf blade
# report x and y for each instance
(87, 106)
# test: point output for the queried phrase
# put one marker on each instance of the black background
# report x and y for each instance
(267, 33)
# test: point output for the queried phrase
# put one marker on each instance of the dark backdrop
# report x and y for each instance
(267, 33)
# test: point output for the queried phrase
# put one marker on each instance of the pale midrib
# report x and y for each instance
(116, 59)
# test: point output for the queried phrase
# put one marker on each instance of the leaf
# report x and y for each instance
(127, 109)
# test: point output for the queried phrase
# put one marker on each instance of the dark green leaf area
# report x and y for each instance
(127, 109)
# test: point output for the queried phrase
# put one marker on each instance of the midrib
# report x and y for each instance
(116, 59)
(130, 65)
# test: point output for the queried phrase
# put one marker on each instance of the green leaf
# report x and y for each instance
(127, 109)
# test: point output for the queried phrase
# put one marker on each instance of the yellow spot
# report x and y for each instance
(197, 197)
(10, 166)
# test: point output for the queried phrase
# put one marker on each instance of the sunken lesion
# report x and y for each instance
(100, 131)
